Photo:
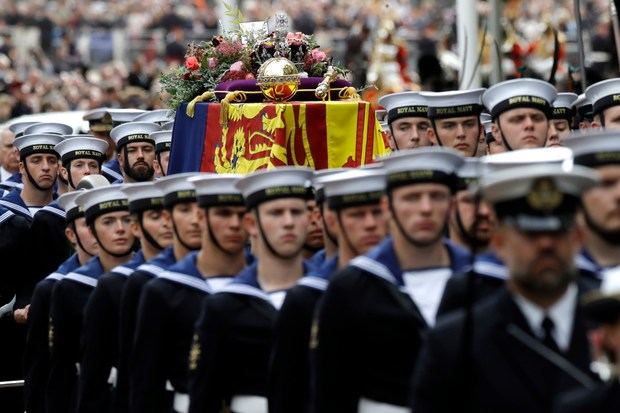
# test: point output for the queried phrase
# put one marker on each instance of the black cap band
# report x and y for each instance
(414, 111)
(147, 204)
(398, 179)
(319, 195)
(338, 202)
(515, 102)
(444, 112)
(598, 159)
(464, 183)
(207, 201)
(606, 102)
(136, 137)
(269, 194)
(83, 153)
(179, 197)
(563, 114)
(104, 208)
(586, 112)
(40, 148)
(163, 146)
(73, 214)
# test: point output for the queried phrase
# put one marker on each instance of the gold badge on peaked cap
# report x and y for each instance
(544, 195)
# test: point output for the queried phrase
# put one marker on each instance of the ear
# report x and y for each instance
(250, 223)
(157, 167)
(385, 207)
(332, 221)
(432, 136)
(119, 157)
(70, 234)
(135, 228)
(22, 168)
(64, 173)
(495, 131)
(201, 214)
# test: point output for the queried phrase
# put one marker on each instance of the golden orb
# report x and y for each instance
(278, 79)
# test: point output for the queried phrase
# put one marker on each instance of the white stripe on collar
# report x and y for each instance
(374, 267)
(6, 216)
(121, 269)
(16, 207)
(12, 184)
(199, 284)
(275, 299)
(54, 210)
(491, 269)
(314, 282)
(151, 269)
(83, 279)
(585, 264)
(55, 276)
(111, 172)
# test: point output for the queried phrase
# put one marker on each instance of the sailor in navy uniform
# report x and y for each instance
(353, 213)
(407, 118)
(163, 144)
(518, 349)
(602, 307)
(135, 150)
(230, 356)
(100, 339)
(582, 109)
(455, 117)
(370, 321)
(107, 215)
(520, 109)
(561, 121)
(605, 99)
(170, 304)
(36, 359)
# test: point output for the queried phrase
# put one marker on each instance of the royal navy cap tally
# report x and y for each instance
(72, 210)
(121, 116)
(583, 107)
(539, 197)
(469, 173)
(159, 116)
(354, 188)
(596, 148)
(163, 140)
(519, 93)
(603, 305)
(82, 147)
(103, 200)
(404, 105)
(604, 94)
(143, 196)
(422, 165)
(453, 104)
(167, 126)
(563, 106)
(19, 127)
(37, 143)
(177, 188)
(49, 128)
(284, 182)
(524, 157)
(133, 132)
(217, 190)
(319, 193)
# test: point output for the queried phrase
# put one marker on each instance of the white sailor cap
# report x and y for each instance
(37, 143)
(604, 94)
(177, 188)
(596, 148)
(422, 165)
(583, 107)
(524, 157)
(163, 140)
(469, 173)
(217, 190)
(563, 106)
(453, 103)
(99, 120)
(50, 128)
(486, 121)
(143, 196)
(82, 147)
(103, 200)
(354, 187)
(133, 132)
(159, 116)
(92, 181)
(539, 197)
(518, 93)
(19, 127)
(404, 105)
(167, 126)
(71, 208)
(269, 184)
(120, 116)
(318, 176)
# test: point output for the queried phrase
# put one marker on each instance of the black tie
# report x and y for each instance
(548, 326)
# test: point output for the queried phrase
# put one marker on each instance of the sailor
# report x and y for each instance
(531, 334)
(371, 319)
(144, 394)
(36, 359)
(163, 144)
(561, 119)
(232, 374)
(314, 241)
(521, 109)
(15, 181)
(600, 213)
(582, 108)
(408, 120)
(605, 99)
(493, 146)
(108, 219)
(135, 150)
(100, 336)
(354, 214)
(100, 124)
(455, 117)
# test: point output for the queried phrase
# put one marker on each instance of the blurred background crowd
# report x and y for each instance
(64, 55)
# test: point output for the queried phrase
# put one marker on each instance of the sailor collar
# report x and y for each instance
(130, 266)
(88, 273)
(14, 202)
(158, 264)
(72, 263)
(489, 265)
(54, 208)
(319, 278)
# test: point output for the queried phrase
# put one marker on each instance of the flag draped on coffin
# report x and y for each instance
(265, 135)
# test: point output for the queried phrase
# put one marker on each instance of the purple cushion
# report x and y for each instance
(307, 83)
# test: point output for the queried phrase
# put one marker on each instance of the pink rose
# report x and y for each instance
(295, 38)
(237, 66)
(191, 63)
(249, 76)
(318, 55)
(212, 62)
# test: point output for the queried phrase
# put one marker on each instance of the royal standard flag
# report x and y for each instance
(266, 135)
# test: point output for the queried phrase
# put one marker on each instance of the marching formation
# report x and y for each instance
(475, 268)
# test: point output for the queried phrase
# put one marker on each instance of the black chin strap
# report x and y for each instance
(394, 139)
(441, 144)
(347, 240)
(31, 179)
(176, 232)
(147, 235)
(610, 237)
(326, 231)
(505, 141)
(79, 241)
(161, 166)
(269, 246)
(212, 235)
(114, 254)
(401, 229)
